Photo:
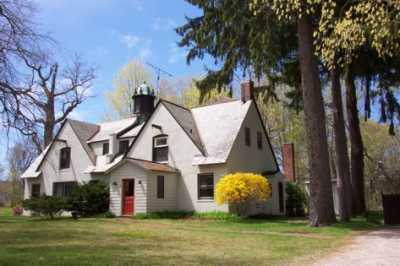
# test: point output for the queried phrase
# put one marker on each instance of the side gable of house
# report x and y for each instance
(48, 163)
(254, 154)
(162, 122)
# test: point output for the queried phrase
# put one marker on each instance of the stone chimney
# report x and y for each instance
(288, 161)
(247, 90)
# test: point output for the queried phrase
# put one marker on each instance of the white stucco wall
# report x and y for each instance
(245, 158)
(51, 171)
(181, 153)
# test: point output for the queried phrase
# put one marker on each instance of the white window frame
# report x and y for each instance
(161, 145)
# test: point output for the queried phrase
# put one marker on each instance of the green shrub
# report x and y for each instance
(89, 199)
(109, 214)
(45, 205)
(296, 200)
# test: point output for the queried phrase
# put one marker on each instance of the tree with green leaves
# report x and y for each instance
(250, 34)
(133, 74)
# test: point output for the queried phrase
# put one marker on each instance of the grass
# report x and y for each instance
(204, 239)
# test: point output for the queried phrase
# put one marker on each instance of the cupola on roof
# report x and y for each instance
(144, 89)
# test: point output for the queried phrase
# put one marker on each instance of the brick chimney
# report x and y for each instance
(288, 161)
(247, 90)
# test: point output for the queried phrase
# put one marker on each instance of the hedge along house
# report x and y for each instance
(164, 158)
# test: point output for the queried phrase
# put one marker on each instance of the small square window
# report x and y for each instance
(160, 186)
(259, 140)
(123, 146)
(35, 190)
(205, 186)
(106, 148)
(65, 158)
(247, 136)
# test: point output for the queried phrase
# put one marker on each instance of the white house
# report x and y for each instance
(164, 157)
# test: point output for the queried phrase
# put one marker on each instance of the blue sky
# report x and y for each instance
(107, 34)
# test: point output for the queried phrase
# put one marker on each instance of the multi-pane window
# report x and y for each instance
(205, 186)
(106, 148)
(123, 146)
(160, 186)
(65, 158)
(281, 197)
(35, 190)
(160, 149)
(259, 140)
(247, 138)
(63, 189)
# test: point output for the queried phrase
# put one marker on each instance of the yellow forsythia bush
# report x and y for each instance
(242, 187)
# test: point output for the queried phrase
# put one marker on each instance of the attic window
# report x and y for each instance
(259, 140)
(65, 157)
(106, 148)
(123, 146)
(160, 149)
(247, 138)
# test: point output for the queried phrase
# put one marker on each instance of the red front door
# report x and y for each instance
(128, 196)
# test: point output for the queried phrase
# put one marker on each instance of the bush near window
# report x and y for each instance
(296, 200)
(48, 206)
(240, 189)
(89, 199)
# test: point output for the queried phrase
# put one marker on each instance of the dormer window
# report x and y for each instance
(106, 148)
(65, 157)
(247, 138)
(160, 149)
(123, 146)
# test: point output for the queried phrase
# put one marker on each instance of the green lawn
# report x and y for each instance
(125, 241)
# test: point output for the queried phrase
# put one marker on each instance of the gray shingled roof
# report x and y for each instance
(85, 131)
(185, 119)
(112, 127)
(218, 125)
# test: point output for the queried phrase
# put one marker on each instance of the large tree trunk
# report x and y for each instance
(342, 157)
(357, 156)
(321, 198)
(49, 122)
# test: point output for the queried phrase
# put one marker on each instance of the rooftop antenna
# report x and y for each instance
(158, 72)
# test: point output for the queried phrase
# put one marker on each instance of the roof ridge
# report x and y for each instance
(215, 103)
(114, 121)
(177, 105)
(83, 122)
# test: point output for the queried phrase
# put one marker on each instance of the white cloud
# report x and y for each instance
(130, 40)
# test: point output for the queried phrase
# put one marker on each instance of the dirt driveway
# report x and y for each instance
(381, 247)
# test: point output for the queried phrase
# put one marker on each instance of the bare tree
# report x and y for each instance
(51, 94)
(20, 156)
(18, 40)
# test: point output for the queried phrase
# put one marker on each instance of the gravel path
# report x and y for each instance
(378, 248)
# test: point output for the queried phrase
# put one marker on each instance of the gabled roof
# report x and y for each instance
(152, 166)
(113, 127)
(119, 160)
(184, 118)
(218, 125)
(33, 171)
(85, 131)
